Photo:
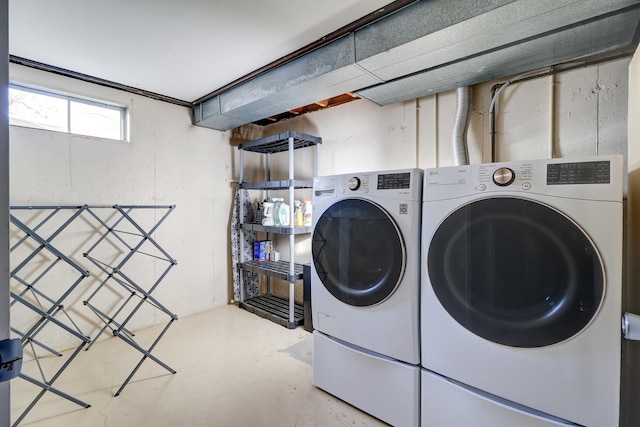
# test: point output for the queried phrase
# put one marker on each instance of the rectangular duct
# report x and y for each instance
(432, 46)
(416, 44)
(208, 114)
(595, 37)
(323, 73)
(424, 34)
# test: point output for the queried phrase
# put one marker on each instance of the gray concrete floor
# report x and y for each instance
(233, 369)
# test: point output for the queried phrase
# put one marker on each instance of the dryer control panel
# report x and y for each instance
(392, 181)
(403, 184)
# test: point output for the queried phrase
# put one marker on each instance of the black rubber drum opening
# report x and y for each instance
(516, 272)
(358, 252)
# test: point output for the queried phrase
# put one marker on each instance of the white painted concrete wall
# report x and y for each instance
(167, 161)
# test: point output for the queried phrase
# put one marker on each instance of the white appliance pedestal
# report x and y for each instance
(385, 388)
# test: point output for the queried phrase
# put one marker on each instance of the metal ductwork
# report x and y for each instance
(429, 47)
(499, 44)
(460, 126)
(320, 74)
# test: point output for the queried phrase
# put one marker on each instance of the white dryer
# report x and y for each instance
(521, 292)
(365, 281)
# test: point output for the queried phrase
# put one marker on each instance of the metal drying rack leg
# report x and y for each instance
(38, 300)
(115, 272)
(115, 225)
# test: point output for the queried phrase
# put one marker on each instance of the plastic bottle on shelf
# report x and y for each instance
(259, 212)
(297, 214)
(307, 210)
(284, 218)
(268, 216)
(276, 210)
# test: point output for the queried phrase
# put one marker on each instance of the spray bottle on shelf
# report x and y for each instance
(298, 220)
(307, 210)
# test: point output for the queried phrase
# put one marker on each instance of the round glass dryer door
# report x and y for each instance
(516, 272)
(358, 252)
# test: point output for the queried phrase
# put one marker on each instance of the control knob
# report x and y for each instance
(503, 177)
(354, 183)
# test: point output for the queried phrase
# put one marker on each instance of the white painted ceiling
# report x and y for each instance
(184, 49)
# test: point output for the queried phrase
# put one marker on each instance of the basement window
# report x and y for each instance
(43, 109)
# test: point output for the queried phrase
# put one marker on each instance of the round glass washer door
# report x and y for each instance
(358, 252)
(516, 272)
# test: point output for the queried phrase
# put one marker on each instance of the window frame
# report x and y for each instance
(69, 98)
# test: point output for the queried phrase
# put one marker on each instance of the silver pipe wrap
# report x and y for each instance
(460, 126)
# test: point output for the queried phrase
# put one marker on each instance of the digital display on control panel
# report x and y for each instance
(597, 172)
(393, 181)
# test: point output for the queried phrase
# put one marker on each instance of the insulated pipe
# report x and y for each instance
(460, 126)
(492, 114)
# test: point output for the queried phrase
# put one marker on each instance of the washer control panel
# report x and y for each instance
(595, 177)
(597, 172)
(492, 175)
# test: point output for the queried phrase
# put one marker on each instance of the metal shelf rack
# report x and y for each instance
(282, 311)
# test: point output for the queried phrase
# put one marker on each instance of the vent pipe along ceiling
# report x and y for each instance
(430, 47)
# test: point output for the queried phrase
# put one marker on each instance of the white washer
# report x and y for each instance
(522, 289)
(365, 281)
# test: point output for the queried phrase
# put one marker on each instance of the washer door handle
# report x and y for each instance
(631, 326)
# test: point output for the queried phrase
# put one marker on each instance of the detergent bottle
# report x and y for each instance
(267, 214)
(284, 215)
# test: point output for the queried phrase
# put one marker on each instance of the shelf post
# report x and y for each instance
(292, 288)
(240, 216)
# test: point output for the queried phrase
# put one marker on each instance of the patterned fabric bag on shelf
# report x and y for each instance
(251, 280)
